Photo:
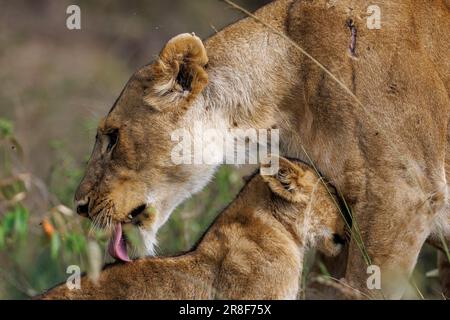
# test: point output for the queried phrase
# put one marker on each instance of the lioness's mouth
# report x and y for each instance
(118, 244)
(134, 216)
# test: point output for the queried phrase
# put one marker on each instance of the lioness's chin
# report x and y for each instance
(149, 242)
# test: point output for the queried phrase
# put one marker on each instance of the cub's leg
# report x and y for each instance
(335, 267)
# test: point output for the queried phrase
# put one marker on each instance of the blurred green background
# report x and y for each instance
(55, 86)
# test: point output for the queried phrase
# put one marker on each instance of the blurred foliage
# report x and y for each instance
(33, 258)
(65, 173)
(6, 128)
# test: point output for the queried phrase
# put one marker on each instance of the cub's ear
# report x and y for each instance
(291, 181)
(179, 72)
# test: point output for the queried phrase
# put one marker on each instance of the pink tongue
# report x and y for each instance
(117, 247)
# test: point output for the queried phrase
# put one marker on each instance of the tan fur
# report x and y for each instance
(254, 249)
(387, 159)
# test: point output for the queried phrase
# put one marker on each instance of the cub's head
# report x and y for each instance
(304, 202)
(130, 177)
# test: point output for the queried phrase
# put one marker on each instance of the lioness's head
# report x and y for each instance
(130, 177)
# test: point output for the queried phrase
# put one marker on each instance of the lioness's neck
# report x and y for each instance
(242, 85)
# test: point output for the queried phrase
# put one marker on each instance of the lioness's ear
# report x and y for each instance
(291, 181)
(179, 72)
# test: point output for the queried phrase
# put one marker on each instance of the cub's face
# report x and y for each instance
(313, 210)
(130, 178)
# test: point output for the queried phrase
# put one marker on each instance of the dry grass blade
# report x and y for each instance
(344, 288)
(416, 288)
(444, 245)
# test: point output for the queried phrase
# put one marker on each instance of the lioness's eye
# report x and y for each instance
(113, 136)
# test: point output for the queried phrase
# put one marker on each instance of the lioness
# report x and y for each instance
(253, 250)
(386, 154)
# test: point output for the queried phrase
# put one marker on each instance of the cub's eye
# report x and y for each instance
(113, 137)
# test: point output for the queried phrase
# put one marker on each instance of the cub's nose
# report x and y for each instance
(83, 207)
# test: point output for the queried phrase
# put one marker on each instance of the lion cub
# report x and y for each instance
(253, 250)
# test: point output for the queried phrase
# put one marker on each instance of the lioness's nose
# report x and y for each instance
(83, 207)
(82, 197)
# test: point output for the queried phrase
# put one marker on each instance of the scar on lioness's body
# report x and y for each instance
(354, 32)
